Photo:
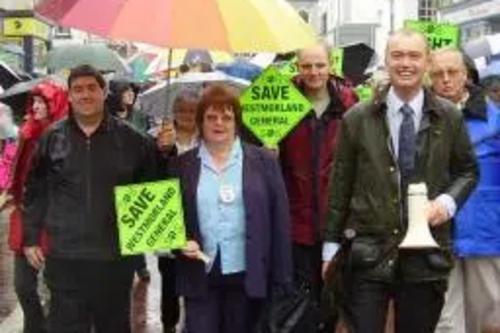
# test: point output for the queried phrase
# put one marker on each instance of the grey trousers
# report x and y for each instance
(473, 298)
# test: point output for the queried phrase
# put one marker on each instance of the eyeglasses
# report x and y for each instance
(448, 72)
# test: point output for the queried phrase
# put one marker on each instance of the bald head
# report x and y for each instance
(314, 68)
(318, 48)
(449, 74)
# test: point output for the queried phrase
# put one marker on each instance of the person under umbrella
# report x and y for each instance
(236, 211)
(186, 138)
(48, 103)
(121, 103)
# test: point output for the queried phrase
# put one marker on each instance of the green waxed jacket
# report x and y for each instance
(364, 194)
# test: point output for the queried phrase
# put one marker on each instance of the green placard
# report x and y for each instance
(337, 61)
(365, 94)
(289, 68)
(150, 217)
(439, 35)
(272, 107)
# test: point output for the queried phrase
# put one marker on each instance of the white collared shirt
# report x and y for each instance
(395, 116)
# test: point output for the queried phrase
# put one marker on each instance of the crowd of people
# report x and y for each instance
(271, 221)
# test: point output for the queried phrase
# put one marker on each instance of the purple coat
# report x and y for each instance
(268, 239)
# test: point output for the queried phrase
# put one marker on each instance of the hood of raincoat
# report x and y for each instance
(57, 102)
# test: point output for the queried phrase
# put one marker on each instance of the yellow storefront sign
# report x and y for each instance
(25, 26)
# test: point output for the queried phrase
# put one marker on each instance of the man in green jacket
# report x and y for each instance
(405, 135)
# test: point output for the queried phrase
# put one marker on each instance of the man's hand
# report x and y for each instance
(437, 213)
(166, 136)
(35, 256)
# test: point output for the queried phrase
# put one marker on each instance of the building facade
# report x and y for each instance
(476, 18)
(25, 37)
(427, 10)
(370, 22)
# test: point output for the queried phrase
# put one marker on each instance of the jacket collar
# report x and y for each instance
(105, 125)
(333, 85)
(475, 106)
(431, 101)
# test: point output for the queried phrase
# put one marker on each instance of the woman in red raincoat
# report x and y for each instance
(48, 102)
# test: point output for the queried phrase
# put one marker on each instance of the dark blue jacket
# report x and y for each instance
(268, 249)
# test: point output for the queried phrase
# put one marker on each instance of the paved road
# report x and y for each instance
(146, 296)
(7, 297)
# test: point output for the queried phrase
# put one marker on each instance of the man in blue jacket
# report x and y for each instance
(473, 297)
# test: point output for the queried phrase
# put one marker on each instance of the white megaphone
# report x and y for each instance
(418, 235)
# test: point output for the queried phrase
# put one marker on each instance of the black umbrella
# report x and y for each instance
(17, 95)
(357, 59)
(10, 76)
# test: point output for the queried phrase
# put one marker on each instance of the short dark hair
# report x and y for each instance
(219, 95)
(86, 70)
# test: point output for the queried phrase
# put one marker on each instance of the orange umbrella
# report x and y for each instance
(230, 25)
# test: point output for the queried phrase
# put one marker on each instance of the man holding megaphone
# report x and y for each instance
(404, 160)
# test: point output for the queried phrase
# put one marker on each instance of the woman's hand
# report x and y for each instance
(191, 250)
(166, 136)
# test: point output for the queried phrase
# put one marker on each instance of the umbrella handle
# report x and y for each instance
(168, 92)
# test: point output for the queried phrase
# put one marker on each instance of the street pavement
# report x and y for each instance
(146, 296)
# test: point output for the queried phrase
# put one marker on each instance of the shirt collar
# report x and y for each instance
(395, 103)
(236, 153)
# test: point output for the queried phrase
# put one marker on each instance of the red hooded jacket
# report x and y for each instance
(56, 99)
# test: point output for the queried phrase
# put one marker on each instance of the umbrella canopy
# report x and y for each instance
(184, 56)
(492, 69)
(241, 69)
(483, 47)
(17, 96)
(230, 25)
(97, 55)
(153, 100)
(357, 59)
(10, 76)
(139, 63)
(263, 59)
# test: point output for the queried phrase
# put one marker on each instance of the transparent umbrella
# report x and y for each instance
(153, 100)
(97, 55)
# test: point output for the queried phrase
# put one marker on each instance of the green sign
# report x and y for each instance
(272, 107)
(289, 68)
(150, 217)
(439, 35)
(337, 61)
(365, 94)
